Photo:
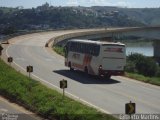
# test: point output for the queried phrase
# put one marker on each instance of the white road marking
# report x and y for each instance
(48, 59)
(74, 96)
(21, 59)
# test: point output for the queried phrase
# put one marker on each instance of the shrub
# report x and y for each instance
(142, 64)
(135, 57)
(147, 67)
(60, 50)
(158, 72)
(130, 67)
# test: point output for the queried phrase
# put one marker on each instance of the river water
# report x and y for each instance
(143, 47)
(144, 41)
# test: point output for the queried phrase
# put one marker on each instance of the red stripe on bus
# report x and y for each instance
(86, 63)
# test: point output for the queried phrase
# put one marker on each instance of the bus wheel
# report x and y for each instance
(108, 76)
(86, 70)
(71, 69)
(69, 65)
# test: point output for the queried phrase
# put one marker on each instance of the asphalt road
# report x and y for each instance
(109, 96)
(11, 111)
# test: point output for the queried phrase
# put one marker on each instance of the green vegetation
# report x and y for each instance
(51, 17)
(138, 63)
(42, 100)
(151, 80)
(143, 68)
(59, 50)
(9, 30)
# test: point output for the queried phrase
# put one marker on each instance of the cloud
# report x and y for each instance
(97, 1)
(121, 3)
(72, 3)
(92, 2)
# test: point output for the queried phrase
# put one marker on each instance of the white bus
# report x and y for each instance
(95, 57)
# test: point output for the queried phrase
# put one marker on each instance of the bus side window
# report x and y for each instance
(73, 47)
(91, 49)
(97, 50)
(87, 48)
(82, 48)
(78, 47)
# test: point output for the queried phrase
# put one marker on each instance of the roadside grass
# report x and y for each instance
(59, 50)
(42, 100)
(151, 80)
(139, 77)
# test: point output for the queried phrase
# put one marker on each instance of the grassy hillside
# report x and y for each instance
(51, 17)
(148, 16)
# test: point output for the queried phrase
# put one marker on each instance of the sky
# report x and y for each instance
(120, 3)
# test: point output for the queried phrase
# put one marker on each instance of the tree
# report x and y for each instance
(9, 30)
(141, 64)
(147, 67)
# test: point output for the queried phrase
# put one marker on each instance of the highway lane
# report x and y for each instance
(108, 95)
(10, 110)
